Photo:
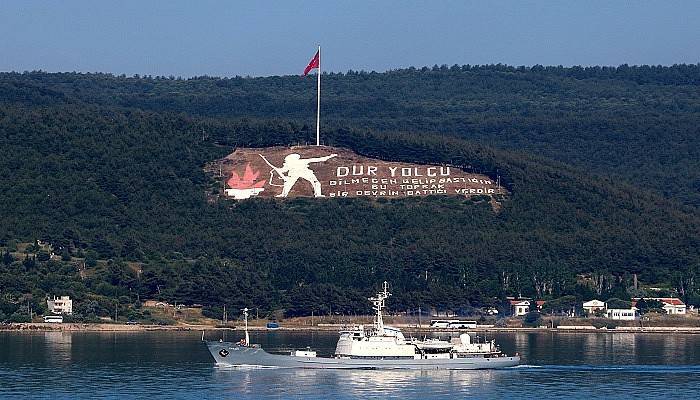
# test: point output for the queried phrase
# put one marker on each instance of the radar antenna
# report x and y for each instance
(378, 304)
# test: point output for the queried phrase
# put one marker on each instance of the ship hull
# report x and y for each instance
(227, 353)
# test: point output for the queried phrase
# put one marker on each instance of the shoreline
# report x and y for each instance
(105, 327)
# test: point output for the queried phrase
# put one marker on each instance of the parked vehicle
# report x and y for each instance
(53, 319)
(452, 324)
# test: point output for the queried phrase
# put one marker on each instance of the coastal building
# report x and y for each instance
(672, 305)
(519, 307)
(539, 304)
(622, 314)
(590, 307)
(60, 305)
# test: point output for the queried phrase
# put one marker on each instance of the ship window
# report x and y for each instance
(437, 351)
(469, 356)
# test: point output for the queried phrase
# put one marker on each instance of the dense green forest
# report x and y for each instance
(637, 123)
(109, 171)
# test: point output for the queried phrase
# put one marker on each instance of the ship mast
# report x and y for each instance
(245, 317)
(378, 306)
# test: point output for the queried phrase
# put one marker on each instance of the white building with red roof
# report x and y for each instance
(519, 307)
(672, 305)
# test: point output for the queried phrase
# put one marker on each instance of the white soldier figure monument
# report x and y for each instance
(295, 167)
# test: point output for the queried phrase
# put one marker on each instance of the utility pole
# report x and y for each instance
(225, 319)
(419, 322)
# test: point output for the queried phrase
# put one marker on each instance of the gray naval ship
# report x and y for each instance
(371, 347)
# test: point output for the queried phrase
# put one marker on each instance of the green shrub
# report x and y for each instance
(20, 317)
(532, 319)
(618, 303)
(43, 256)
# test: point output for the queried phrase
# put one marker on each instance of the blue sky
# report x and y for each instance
(260, 38)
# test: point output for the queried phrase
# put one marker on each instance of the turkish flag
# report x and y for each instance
(314, 63)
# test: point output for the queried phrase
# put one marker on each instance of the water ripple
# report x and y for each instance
(177, 365)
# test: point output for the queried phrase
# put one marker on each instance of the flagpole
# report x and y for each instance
(318, 100)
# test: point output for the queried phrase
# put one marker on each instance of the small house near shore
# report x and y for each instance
(672, 305)
(539, 304)
(60, 305)
(519, 307)
(590, 307)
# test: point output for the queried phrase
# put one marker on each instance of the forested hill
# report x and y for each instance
(637, 123)
(120, 194)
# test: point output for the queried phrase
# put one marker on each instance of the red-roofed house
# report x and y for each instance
(672, 305)
(539, 304)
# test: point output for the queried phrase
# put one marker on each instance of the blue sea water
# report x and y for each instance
(56, 365)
